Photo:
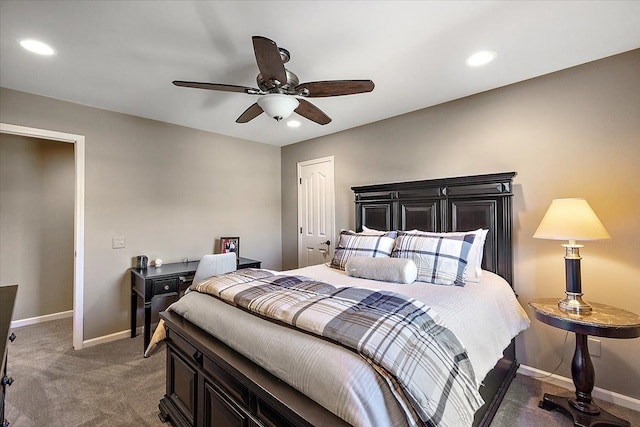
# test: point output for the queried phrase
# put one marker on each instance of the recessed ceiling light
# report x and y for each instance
(481, 58)
(36, 46)
(293, 123)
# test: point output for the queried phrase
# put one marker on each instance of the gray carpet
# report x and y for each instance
(106, 385)
(113, 385)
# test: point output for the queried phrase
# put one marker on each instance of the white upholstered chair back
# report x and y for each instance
(213, 265)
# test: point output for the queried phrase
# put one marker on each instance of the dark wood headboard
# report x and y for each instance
(448, 204)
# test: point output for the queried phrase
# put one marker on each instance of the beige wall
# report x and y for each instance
(171, 191)
(36, 223)
(574, 133)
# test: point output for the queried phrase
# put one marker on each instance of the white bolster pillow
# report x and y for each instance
(399, 270)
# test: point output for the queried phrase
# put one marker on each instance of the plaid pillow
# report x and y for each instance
(474, 260)
(440, 259)
(363, 245)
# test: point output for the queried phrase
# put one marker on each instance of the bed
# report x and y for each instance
(227, 367)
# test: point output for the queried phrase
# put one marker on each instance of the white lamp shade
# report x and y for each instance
(278, 106)
(571, 219)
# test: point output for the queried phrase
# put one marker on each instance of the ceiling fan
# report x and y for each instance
(280, 92)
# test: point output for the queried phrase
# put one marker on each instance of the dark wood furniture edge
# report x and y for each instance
(7, 302)
(492, 178)
(580, 323)
(248, 263)
(496, 384)
(289, 402)
(619, 332)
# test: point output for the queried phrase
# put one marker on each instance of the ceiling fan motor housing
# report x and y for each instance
(279, 87)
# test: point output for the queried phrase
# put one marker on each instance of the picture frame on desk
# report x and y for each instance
(230, 244)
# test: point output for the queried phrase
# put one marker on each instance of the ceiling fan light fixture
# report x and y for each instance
(278, 106)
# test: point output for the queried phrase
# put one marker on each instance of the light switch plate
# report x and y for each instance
(118, 242)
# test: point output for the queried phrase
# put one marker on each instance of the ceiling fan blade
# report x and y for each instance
(311, 112)
(336, 87)
(216, 86)
(250, 113)
(269, 60)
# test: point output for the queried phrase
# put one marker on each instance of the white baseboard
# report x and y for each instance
(65, 314)
(111, 337)
(40, 319)
(598, 393)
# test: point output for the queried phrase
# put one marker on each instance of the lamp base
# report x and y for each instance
(574, 304)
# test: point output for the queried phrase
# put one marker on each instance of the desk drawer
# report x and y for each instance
(165, 286)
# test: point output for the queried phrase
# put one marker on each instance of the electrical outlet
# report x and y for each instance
(118, 242)
(594, 347)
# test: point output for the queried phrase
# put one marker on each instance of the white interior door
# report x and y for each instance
(316, 201)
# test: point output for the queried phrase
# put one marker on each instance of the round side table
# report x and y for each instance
(602, 321)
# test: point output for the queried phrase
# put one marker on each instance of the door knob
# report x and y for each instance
(328, 242)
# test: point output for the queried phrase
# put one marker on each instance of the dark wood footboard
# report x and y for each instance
(209, 384)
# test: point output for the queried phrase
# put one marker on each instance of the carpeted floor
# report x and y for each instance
(113, 385)
(106, 385)
(520, 406)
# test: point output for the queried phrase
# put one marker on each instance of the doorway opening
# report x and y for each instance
(78, 234)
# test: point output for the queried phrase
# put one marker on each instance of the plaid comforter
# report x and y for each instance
(424, 363)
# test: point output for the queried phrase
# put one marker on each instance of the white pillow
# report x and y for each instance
(474, 266)
(367, 230)
(397, 270)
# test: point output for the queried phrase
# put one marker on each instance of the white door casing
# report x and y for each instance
(78, 269)
(316, 216)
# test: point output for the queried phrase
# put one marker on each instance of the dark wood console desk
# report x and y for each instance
(603, 321)
(7, 300)
(248, 263)
(165, 283)
(157, 282)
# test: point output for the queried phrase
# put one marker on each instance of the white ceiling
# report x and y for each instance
(123, 55)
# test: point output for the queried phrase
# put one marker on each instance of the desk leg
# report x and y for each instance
(134, 313)
(147, 325)
(582, 409)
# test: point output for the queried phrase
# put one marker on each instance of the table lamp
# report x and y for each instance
(572, 220)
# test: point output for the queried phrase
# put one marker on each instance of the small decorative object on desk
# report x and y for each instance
(230, 244)
(158, 262)
(142, 261)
